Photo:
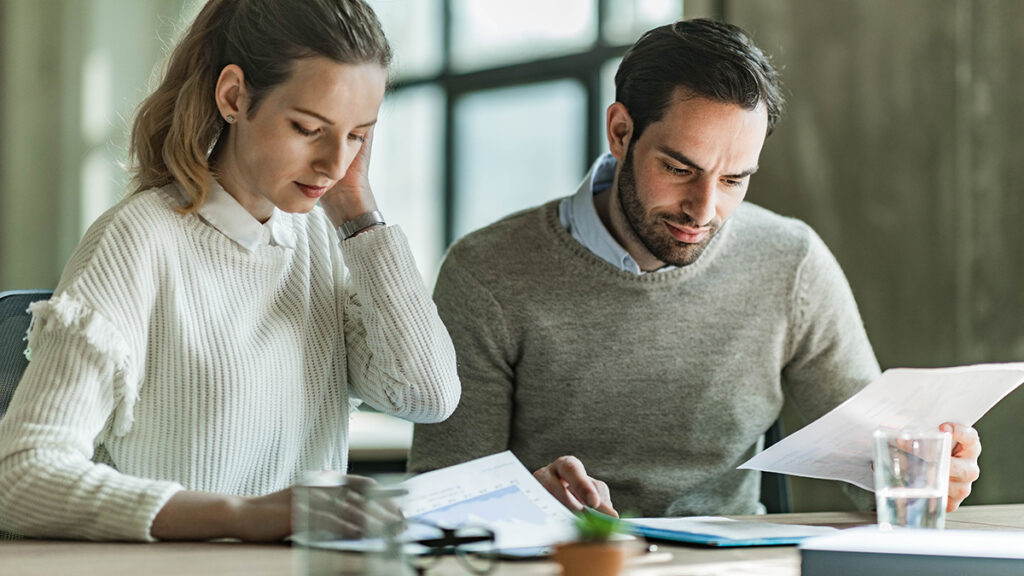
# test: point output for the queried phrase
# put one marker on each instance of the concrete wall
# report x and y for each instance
(902, 147)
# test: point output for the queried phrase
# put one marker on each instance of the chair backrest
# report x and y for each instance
(14, 320)
(775, 493)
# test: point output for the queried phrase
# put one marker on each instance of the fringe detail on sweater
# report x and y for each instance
(64, 312)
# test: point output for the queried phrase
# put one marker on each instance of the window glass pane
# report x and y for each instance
(406, 170)
(516, 148)
(120, 45)
(628, 19)
(486, 32)
(413, 28)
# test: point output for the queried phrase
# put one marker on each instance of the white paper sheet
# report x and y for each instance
(837, 446)
(496, 491)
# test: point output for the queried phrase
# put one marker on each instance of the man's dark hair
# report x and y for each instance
(710, 59)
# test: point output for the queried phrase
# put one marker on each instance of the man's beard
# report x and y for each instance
(650, 228)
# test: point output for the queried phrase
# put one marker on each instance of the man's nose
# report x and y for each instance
(699, 201)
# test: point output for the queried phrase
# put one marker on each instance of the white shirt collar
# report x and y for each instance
(224, 213)
(579, 216)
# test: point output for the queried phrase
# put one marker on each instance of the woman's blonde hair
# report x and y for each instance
(178, 125)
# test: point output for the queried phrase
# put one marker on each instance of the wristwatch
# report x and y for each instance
(358, 224)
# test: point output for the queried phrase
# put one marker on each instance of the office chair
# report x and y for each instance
(14, 320)
(775, 493)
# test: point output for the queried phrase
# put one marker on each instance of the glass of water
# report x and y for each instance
(346, 525)
(911, 477)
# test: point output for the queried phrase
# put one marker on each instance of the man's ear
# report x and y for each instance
(619, 125)
(230, 92)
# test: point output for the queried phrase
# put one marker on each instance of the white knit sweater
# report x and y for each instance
(171, 357)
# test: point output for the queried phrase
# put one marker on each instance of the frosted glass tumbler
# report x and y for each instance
(344, 525)
(911, 477)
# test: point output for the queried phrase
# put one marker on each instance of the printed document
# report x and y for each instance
(837, 446)
(495, 491)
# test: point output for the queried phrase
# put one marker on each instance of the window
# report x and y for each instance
(405, 169)
(515, 148)
(491, 33)
(495, 107)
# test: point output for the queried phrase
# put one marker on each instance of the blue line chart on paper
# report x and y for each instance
(506, 505)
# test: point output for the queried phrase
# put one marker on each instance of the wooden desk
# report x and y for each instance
(47, 558)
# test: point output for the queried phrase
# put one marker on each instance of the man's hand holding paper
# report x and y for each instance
(963, 468)
(837, 446)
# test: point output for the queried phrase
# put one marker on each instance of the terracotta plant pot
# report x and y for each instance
(591, 558)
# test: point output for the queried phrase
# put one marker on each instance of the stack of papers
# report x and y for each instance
(718, 531)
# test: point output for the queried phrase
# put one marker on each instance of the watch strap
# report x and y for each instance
(359, 223)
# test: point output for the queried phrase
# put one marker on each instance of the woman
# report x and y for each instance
(210, 334)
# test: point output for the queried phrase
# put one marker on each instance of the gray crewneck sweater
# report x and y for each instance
(660, 383)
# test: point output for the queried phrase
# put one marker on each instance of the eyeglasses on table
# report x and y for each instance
(424, 543)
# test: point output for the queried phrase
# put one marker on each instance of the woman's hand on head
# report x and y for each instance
(352, 195)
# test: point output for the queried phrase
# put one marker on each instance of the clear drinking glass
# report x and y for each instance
(345, 525)
(911, 477)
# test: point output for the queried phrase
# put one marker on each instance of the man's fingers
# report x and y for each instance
(574, 476)
(962, 473)
(606, 500)
(963, 470)
(553, 484)
(567, 480)
(958, 492)
(966, 442)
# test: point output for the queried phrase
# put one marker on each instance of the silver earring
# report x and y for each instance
(230, 119)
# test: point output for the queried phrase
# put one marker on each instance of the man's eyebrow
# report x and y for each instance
(744, 173)
(679, 157)
(682, 159)
(330, 122)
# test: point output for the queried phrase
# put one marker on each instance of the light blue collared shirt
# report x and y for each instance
(224, 213)
(579, 216)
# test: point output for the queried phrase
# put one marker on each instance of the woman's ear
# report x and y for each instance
(230, 93)
(620, 130)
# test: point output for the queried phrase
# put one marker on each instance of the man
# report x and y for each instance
(649, 324)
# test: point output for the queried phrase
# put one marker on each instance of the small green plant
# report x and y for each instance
(593, 526)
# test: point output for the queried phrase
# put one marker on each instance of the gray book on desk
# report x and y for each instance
(869, 550)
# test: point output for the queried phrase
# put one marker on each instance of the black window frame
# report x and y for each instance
(584, 67)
